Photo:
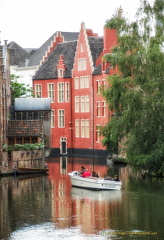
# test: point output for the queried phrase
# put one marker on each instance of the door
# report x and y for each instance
(63, 145)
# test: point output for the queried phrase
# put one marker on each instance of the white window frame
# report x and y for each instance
(60, 72)
(61, 120)
(85, 128)
(82, 64)
(82, 82)
(61, 92)
(98, 109)
(52, 118)
(77, 128)
(76, 79)
(97, 132)
(77, 104)
(82, 48)
(82, 103)
(87, 105)
(38, 90)
(98, 84)
(103, 108)
(51, 91)
(86, 81)
(67, 92)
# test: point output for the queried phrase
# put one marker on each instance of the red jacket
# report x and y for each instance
(86, 174)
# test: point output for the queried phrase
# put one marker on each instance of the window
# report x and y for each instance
(76, 83)
(98, 109)
(60, 92)
(87, 103)
(84, 64)
(87, 128)
(83, 104)
(67, 92)
(86, 81)
(77, 128)
(61, 118)
(81, 64)
(82, 48)
(103, 83)
(84, 128)
(103, 109)
(98, 86)
(52, 119)
(51, 91)
(97, 133)
(38, 90)
(60, 72)
(82, 82)
(76, 104)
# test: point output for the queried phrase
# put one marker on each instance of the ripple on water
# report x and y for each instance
(48, 231)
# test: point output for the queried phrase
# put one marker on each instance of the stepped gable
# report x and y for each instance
(17, 53)
(38, 56)
(48, 70)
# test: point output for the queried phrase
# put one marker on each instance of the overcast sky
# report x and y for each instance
(31, 22)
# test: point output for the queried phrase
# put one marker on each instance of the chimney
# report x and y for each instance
(110, 39)
(26, 62)
(5, 42)
(82, 26)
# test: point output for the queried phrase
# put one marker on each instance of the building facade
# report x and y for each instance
(72, 76)
(5, 100)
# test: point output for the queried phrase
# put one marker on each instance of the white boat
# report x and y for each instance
(93, 182)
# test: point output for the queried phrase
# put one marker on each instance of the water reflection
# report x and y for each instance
(101, 196)
(47, 207)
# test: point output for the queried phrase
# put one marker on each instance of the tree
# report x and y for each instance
(19, 89)
(136, 92)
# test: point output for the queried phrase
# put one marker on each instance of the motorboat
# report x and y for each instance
(93, 182)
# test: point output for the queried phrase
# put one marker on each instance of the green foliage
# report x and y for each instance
(26, 146)
(19, 89)
(137, 90)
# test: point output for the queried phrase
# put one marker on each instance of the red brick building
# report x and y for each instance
(71, 76)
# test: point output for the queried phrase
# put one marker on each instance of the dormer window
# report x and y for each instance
(60, 72)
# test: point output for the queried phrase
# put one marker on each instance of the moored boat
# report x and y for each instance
(93, 182)
(30, 170)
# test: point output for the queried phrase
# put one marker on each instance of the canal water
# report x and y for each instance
(46, 207)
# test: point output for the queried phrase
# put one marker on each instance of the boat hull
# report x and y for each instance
(32, 170)
(94, 183)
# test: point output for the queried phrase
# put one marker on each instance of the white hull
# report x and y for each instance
(93, 183)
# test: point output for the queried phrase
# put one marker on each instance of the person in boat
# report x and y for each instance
(82, 170)
(108, 177)
(86, 174)
(94, 174)
(116, 178)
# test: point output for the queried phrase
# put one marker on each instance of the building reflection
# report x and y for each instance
(29, 201)
(73, 207)
(23, 200)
